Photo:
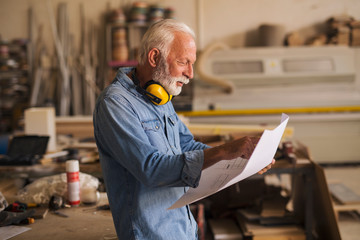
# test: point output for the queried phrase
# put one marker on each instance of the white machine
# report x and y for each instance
(318, 87)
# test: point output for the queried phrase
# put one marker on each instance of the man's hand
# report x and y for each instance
(264, 170)
(242, 147)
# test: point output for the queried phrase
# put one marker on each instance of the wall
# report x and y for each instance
(234, 21)
(242, 18)
(14, 15)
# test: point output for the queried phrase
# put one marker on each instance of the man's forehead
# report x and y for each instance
(183, 46)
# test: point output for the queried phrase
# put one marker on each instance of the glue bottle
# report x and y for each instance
(73, 182)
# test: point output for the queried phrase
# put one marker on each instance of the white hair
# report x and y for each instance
(160, 35)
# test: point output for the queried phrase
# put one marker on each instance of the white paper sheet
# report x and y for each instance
(8, 232)
(227, 172)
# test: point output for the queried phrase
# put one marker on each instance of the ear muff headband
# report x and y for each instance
(157, 93)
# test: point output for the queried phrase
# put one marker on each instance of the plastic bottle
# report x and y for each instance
(73, 182)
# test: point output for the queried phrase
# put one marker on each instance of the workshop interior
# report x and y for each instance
(256, 60)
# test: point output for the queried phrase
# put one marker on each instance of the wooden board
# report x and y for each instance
(343, 194)
(224, 229)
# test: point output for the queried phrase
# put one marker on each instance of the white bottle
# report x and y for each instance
(73, 182)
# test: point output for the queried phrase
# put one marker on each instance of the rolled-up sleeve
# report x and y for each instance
(192, 168)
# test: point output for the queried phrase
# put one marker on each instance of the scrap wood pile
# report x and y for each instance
(342, 30)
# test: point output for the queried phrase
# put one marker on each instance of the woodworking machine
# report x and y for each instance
(318, 87)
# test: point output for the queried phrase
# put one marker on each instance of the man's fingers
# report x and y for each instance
(254, 140)
(268, 167)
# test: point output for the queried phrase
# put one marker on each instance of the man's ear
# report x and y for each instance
(154, 57)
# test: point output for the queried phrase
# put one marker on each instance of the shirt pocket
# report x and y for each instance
(155, 134)
(173, 122)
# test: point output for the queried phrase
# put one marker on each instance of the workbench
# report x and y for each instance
(311, 201)
(83, 222)
(312, 204)
(43, 170)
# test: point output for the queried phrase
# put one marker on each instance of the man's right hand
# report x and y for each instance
(242, 147)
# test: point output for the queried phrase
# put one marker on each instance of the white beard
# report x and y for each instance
(163, 76)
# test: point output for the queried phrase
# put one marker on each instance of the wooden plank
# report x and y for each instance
(78, 127)
(343, 194)
(325, 217)
(225, 229)
(347, 207)
(288, 232)
(224, 129)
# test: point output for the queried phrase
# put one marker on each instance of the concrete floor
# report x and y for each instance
(349, 223)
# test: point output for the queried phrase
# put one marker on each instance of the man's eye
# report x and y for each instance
(181, 63)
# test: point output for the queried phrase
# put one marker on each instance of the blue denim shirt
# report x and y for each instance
(149, 158)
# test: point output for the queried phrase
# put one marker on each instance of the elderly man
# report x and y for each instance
(148, 156)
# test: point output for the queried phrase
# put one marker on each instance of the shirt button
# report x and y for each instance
(156, 127)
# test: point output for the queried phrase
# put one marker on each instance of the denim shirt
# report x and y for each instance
(149, 158)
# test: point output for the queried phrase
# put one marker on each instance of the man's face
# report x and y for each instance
(173, 85)
(177, 69)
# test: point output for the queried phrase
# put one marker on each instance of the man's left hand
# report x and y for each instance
(264, 170)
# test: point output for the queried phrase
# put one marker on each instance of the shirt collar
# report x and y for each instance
(127, 82)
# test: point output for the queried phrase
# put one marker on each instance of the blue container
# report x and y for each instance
(4, 143)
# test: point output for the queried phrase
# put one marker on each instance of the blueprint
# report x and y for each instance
(228, 172)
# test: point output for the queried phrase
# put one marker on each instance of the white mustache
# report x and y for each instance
(182, 79)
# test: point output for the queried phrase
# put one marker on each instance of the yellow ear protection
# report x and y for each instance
(156, 93)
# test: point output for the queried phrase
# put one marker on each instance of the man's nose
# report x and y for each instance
(189, 73)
